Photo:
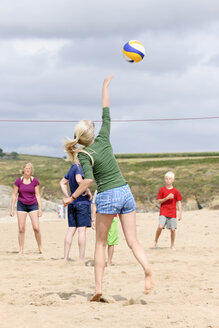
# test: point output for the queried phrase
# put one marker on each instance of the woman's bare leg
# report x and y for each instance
(68, 241)
(128, 222)
(82, 242)
(36, 228)
(21, 216)
(103, 223)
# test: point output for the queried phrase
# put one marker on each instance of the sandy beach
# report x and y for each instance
(43, 291)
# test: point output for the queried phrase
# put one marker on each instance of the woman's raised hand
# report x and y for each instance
(105, 92)
(107, 80)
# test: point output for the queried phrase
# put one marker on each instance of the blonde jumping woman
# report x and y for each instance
(26, 188)
(114, 195)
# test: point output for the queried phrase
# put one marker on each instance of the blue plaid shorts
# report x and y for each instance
(118, 200)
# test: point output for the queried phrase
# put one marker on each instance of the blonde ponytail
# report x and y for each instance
(70, 148)
(83, 135)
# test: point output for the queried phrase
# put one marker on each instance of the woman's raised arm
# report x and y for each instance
(105, 93)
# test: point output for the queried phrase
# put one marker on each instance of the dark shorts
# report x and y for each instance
(79, 215)
(21, 207)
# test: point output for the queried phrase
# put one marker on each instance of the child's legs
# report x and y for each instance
(172, 235)
(158, 232)
(68, 241)
(172, 225)
(36, 228)
(71, 230)
(103, 223)
(82, 216)
(112, 239)
(82, 242)
(21, 216)
(110, 254)
(161, 225)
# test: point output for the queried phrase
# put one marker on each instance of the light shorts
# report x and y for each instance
(169, 223)
(79, 215)
(118, 200)
(113, 236)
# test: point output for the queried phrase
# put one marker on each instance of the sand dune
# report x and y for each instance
(43, 291)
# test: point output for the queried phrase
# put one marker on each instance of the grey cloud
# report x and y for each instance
(214, 60)
(37, 149)
(177, 78)
(164, 54)
(73, 19)
(125, 138)
(155, 137)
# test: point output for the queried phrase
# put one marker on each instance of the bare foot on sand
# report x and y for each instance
(154, 245)
(96, 297)
(173, 248)
(149, 283)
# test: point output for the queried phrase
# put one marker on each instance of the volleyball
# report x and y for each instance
(133, 51)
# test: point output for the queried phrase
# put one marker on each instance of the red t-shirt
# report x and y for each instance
(168, 208)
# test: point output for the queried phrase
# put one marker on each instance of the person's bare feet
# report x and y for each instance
(154, 245)
(96, 297)
(149, 283)
(173, 248)
(40, 250)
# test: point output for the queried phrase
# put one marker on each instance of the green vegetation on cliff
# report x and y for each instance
(197, 174)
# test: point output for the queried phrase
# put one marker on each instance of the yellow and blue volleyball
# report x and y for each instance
(133, 51)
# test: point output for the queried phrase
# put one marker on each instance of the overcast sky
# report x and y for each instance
(55, 54)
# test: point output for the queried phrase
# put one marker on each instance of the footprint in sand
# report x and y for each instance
(132, 301)
(89, 263)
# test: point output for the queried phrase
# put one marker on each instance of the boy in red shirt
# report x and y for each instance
(169, 199)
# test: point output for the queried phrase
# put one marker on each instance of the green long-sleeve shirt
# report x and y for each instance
(105, 171)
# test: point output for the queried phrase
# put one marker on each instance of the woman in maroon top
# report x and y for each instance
(27, 189)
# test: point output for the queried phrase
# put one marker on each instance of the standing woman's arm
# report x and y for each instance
(13, 200)
(37, 192)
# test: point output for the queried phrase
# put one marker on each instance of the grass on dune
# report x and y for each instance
(195, 177)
